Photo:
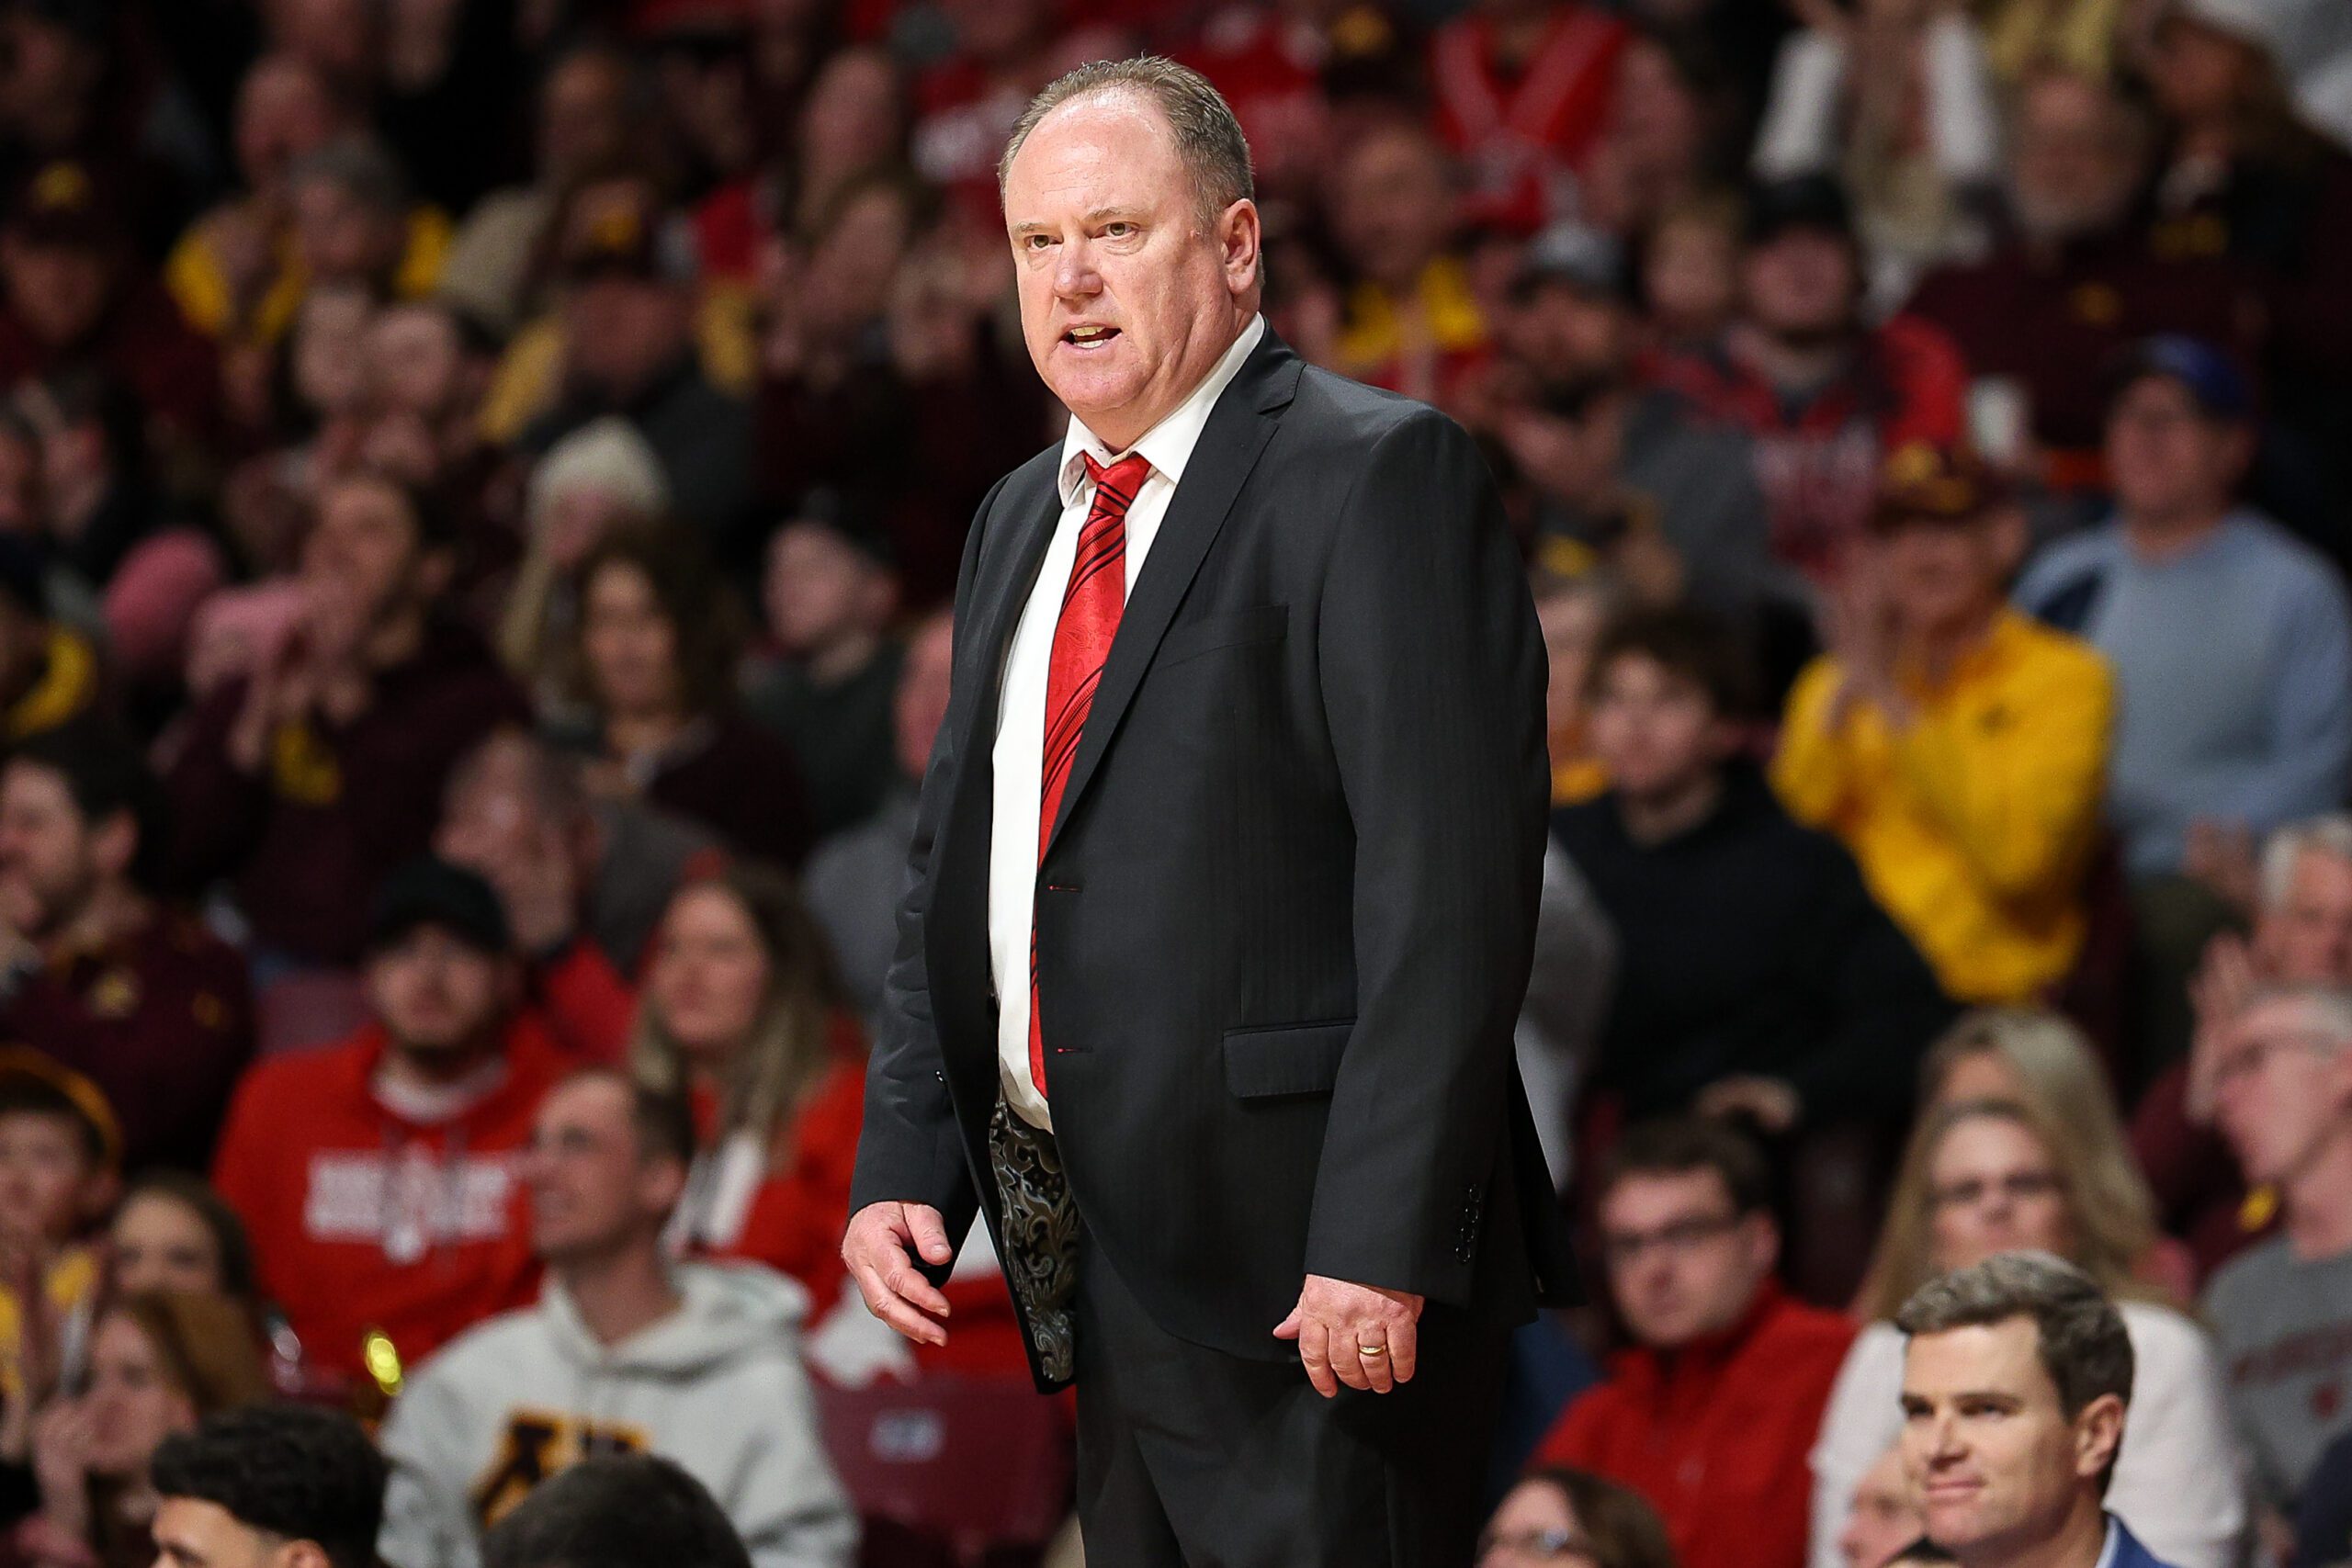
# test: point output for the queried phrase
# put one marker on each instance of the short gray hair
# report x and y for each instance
(2327, 1009)
(2082, 1343)
(1208, 139)
(2330, 834)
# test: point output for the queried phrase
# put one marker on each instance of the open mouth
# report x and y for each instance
(1089, 336)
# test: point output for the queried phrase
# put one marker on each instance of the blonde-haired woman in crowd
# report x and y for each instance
(2019, 1148)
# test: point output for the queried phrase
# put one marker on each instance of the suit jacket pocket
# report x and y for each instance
(1226, 628)
(1285, 1058)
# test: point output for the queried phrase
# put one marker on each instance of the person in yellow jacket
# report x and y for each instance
(1957, 748)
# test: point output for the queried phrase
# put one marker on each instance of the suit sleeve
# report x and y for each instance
(910, 1150)
(1432, 681)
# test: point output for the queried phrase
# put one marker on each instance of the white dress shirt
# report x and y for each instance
(1021, 711)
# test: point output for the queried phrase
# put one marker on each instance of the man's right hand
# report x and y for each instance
(880, 1248)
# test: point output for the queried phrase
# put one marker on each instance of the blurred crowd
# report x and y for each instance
(481, 487)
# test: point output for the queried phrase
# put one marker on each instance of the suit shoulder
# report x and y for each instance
(1352, 414)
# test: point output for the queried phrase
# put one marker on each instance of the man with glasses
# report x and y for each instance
(1711, 1411)
(2282, 1082)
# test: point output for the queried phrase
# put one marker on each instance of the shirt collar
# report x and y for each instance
(1166, 446)
(2107, 1553)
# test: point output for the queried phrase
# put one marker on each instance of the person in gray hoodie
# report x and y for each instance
(626, 1352)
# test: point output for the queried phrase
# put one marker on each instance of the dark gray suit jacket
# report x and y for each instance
(1285, 915)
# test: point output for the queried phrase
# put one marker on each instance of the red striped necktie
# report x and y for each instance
(1082, 634)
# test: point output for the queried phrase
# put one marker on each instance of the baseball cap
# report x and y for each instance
(34, 1080)
(2210, 375)
(1922, 481)
(1803, 201)
(1588, 260)
(622, 238)
(431, 892)
(63, 202)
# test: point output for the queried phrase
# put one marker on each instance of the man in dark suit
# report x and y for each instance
(1223, 895)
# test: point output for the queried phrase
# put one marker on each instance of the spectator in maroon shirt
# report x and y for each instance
(2243, 176)
(1825, 394)
(136, 997)
(657, 657)
(74, 293)
(2077, 280)
(321, 768)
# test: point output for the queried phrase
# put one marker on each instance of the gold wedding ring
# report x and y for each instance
(1372, 1349)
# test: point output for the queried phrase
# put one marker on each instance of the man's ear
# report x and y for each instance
(661, 1184)
(1239, 238)
(301, 1554)
(2099, 1433)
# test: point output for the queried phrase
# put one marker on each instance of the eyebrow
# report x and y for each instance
(1099, 215)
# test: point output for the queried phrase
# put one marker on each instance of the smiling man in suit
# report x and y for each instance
(1223, 894)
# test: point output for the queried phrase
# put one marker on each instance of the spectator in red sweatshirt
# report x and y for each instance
(1711, 1414)
(377, 1175)
(320, 769)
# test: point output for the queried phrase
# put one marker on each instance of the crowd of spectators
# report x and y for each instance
(481, 485)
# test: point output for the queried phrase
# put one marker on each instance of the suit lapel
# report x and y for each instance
(1237, 432)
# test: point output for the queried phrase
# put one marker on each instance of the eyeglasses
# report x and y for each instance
(1538, 1546)
(1680, 1238)
(2251, 1057)
(2018, 1187)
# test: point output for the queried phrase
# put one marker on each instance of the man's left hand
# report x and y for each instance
(1358, 1335)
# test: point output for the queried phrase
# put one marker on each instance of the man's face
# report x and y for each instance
(57, 291)
(1392, 208)
(1128, 298)
(1998, 1464)
(1682, 1263)
(2306, 938)
(2078, 160)
(1654, 730)
(46, 1177)
(591, 1187)
(583, 118)
(284, 114)
(49, 866)
(2282, 1089)
(342, 239)
(622, 331)
(434, 994)
(363, 562)
(2165, 456)
(191, 1533)
(413, 359)
(819, 589)
(1945, 576)
(1570, 333)
(1801, 284)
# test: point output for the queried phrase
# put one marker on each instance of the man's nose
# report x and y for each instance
(1074, 274)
